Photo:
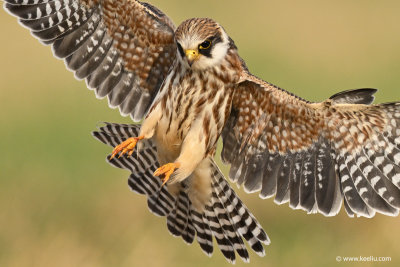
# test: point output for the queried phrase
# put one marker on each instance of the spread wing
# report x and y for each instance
(314, 155)
(122, 48)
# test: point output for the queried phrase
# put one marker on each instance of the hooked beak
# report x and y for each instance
(192, 55)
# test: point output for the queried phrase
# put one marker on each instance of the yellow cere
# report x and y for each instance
(192, 54)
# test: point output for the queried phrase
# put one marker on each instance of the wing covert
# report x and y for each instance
(123, 49)
(314, 155)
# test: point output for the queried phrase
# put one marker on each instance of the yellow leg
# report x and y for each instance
(167, 170)
(127, 146)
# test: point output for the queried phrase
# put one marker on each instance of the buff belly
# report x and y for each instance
(169, 145)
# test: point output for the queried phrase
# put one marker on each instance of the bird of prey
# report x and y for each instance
(189, 86)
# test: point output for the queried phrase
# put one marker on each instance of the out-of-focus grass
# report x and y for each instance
(62, 205)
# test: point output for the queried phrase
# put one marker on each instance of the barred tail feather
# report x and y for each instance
(226, 247)
(227, 218)
(224, 217)
(238, 219)
(142, 167)
(204, 235)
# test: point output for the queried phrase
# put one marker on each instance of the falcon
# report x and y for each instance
(189, 86)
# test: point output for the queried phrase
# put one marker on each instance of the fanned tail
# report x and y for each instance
(225, 216)
(142, 166)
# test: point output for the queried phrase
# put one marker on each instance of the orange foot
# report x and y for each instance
(128, 145)
(166, 170)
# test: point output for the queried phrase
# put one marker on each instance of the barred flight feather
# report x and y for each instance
(123, 59)
(314, 155)
(225, 216)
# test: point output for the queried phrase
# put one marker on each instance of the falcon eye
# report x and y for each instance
(205, 45)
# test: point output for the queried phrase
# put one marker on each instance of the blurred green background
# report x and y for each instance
(61, 204)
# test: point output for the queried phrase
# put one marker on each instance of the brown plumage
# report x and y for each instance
(191, 87)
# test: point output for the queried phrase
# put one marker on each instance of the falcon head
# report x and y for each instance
(202, 43)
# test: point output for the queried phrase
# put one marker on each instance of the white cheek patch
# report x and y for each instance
(217, 55)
